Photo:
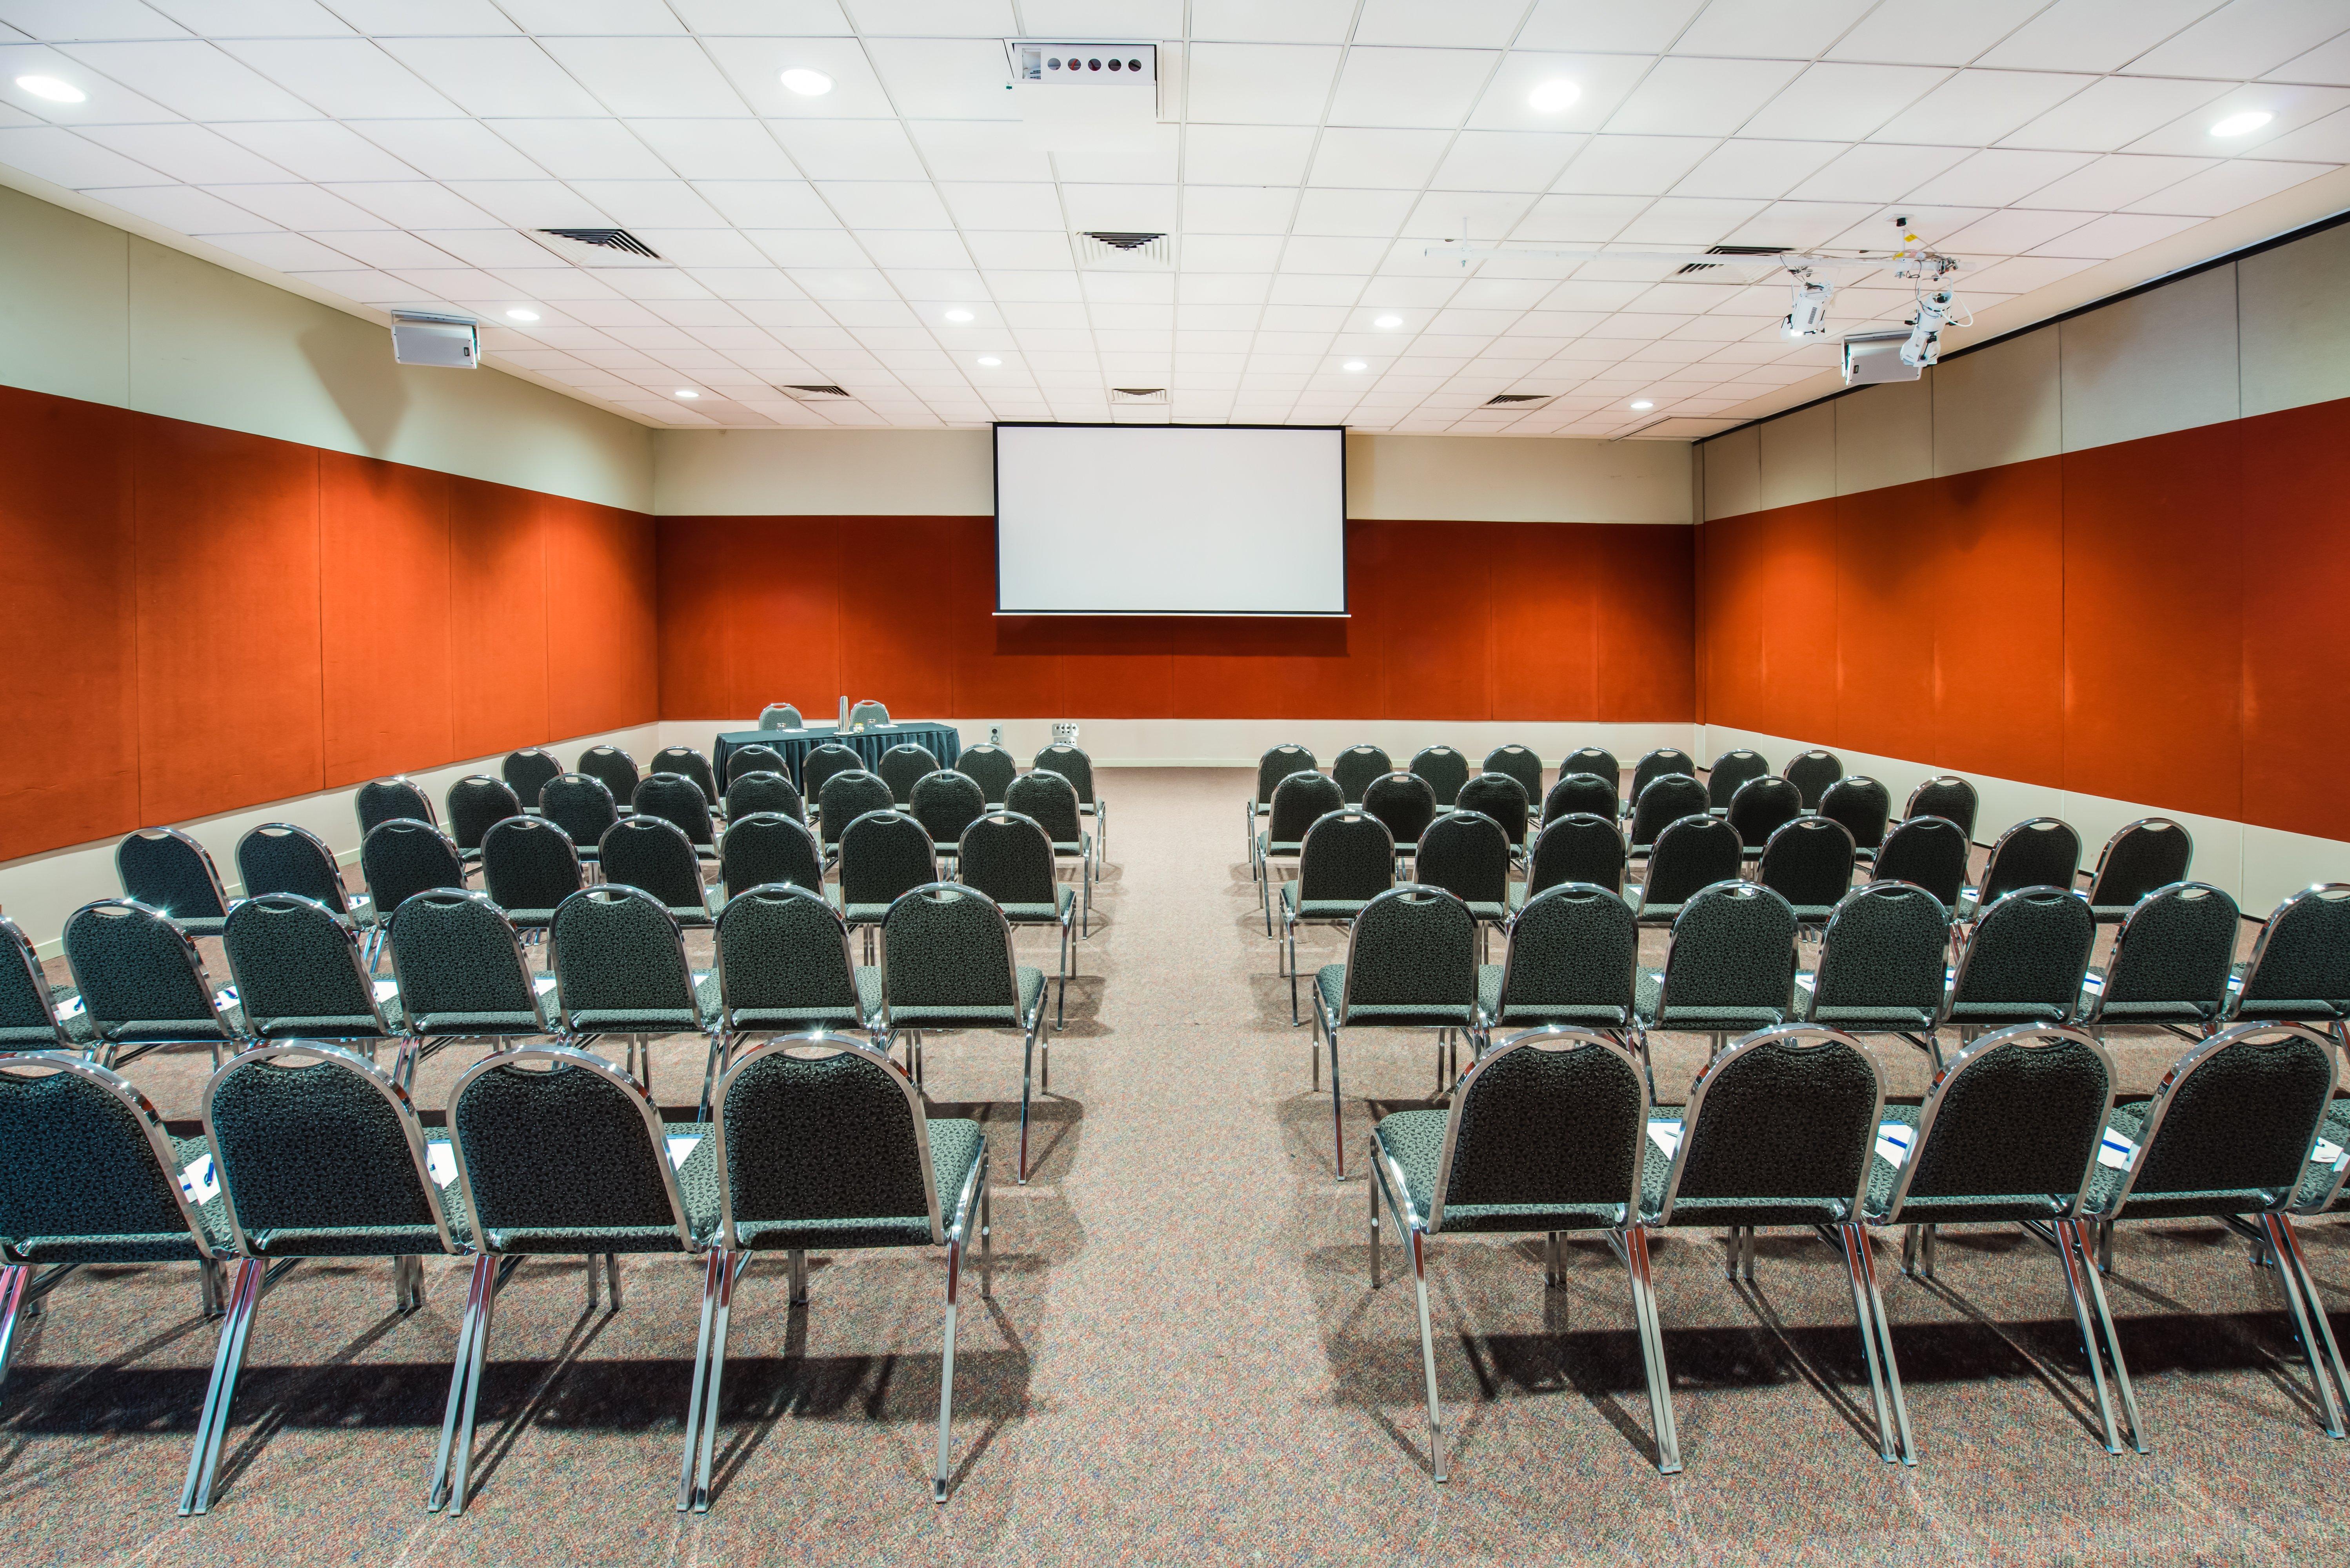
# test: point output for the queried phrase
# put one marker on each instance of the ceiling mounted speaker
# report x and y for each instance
(429, 338)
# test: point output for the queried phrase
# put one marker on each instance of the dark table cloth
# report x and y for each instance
(943, 741)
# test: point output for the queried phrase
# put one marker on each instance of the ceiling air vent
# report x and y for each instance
(1117, 250)
(1730, 251)
(1138, 394)
(816, 394)
(597, 247)
(1519, 400)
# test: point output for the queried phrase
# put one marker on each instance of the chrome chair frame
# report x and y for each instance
(109, 1054)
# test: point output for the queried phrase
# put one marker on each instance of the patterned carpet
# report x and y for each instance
(1182, 1362)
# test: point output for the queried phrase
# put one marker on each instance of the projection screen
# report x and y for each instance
(1170, 519)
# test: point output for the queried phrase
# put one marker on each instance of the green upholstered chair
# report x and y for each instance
(1009, 857)
(1948, 797)
(1405, 803)
(753, 760)
(1864, 806)
(400, 859)
(991, 767)
(279, 857)
(653, 853)
(380, 801)
(868, 712)
(1411, 964)
(884, 854)
(1521, 764)
(1761, 807)
(763, 790)
(475, 801)
(1691, 853)
(1346, 860)
(763, 847)
(2043, 852)
(1730, 965)
(1881, 964)
(1666, 799)
(1581, 846)
(1075, 766)
(825, 1145)
(947, 963)
(143, 984)
(171, 873)
(615, 767)
(1355, 767)
(1808, 862)
(299, 976)
(1928, 852)
(675, 798)
(1812, 772)
(527, 772)
(2152, 852)
(461, 976)
(1665, 762)
(2169, 964)
(1503, 798)
(1445, 769)
(2023, 962)
(620, 970)
(1731, 770)
(844, 797)
(822, 763)
(1276, 764)
(1573, 958)
(1299, 800)
(1596, 760)
(1050, 801)
(1547, 1133)
(34, 1015)
(1581, 794)
(904, 764)
(784, 968)
(781, 716)
(2300, 967)
(687, 763)
(529, 864)
(583, 806)
(945, 803)
(1467, 854)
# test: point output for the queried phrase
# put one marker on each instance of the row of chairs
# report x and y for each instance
(784, 716)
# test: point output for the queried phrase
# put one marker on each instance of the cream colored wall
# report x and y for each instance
(88, 311)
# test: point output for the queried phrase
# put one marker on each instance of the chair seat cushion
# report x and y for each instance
(698, 1183)
(1319, 909)
(2317, 1177)
(173, 1031)
(955, 1145)
(372, 1240)
(1647, 994)
(1330, 986)
(165, 1247)
(2008, 1013)
(1041, 914)
(2106, 1183)
(1414, 1140)
(1531, 1015)
(788, 1018)
(424, 1023)
(2152, 1012)
(1970, 1208)
(201, 925)
(1901, 1020)
(949, 1016)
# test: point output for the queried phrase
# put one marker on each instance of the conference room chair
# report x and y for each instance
(1405, 803)
(761, 847)
(2227, 1137)
(1276, 764)
(1945, 796)
(1411, 964)
(1812, 772)
(401, 858)
(2300, 968)
(1729, 967)
(1759, 808)
(1078, 768)
(991, 767)
(752, 793)
(780, 716)
(784, 968)
(902, 766)
(621, 969)
(1583, 847)
(171, 873)
(1573, 956)
(1691, 853)
(1467, 854)
(688, 762)
(1355, 767)
(2043, 852)
(1596, 760)
(583, 806)
(1504, 800)
(677, 799)
(614, 766)
(1882, 967)
(92, 1177)
(2023, 960)
(279, 857)
(1009, 857)
(2169, 964)
(846, 797)
(2152, 852)
(299, 976)
(475, 801)
(2322, 1191)
(1731, 770)
(867, 713)
(884, 854)
(1577, 795)
(1668, 798)
(654, 854)
(529, 865)
(945, 803)
(380, 801)
(319, 1155)
(1547, 1133)
(1863, 805)
(1808, 862)
(1663, 763)
(1445, 770)
(1299, 802)
(823, 1145)
(459, 965)
(558, 1147)
(1348, 859)
(1519, 763)
(1050, 802)
(31, 1009)
(825, 763)
(2008, 1134)
(947, 963)
(527, 772)
(1930, 852)
(1779, 1131)
(755, 759)
(143, 985)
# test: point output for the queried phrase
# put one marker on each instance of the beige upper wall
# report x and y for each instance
(88, 311)
(950, 472)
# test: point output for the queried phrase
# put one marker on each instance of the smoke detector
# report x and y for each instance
(1138, 394)
(597, 247)
(1518, 402)
(1110, 250)
(816, 394)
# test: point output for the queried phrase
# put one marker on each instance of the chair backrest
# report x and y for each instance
(614, 766)
(1583, 847)
(1663, 763)
(380, 801)
(28, 1013)
(2029, 951)
(780, 716)
(2174, 948)
(783, 954)
(2152, 852)
(1519, 763)
(884, 854)
(1728, 771)
(868, 711)
(529, 863)
(1501, 797)
(943, 945)
(902, 766)
(1009, 857)
(945, 803)
(1412, 946)
(1348, 856)
(1691, 853)
(404, 857)
(763, 847)
(1052, 801)
(165, 869)
(1812, 772)
(1277, 764)
(1884, 948)
(1467, 854)
(315, 1147)
(1596, 760)
(1945, 796)
(1405, 802)
(1930, 852)
(2043, 852)
(1668, 798)
(1551, 1120)
(992, 766)
(1355, 767)
(138, 973)
(527, 772)
(1732, 950)
(654, 854)
(1576, 945)
(751, 793)
(755, 759)
(2013, 1121)
(298, 971)
(1808, 862)
(552, 1142)
(824, 1131)
(1780, 1127)
(1581, 794)
(456, 956)
(1862, 804)
(1762, 806)
(91, 1175)
(279, 857)
(582, 805)
(822, 763)
(476, 801)
(1071, 765)
(619, 960)
(846, 796)
(1445, 770)
(2300, 967)
(2230, 1128)
(673, 797)
(1299, 802)
(688, 762)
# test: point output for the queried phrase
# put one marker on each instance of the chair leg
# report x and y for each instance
(730, 1269)
(14, 1279)
(460, 1374)
(713, 1262)
(1885, 1344)
(1860, 1306)
(1631, 1244)
(1289, 941)
(228, 1360)
(1027, 1071)
(796, 1261)
(2308, 1316)
(946, 1366)
(1371, 1190)
(1337, 1101)
(1427, 1353)
(462, 1464)
(2072, 1252)
(1061, 1010)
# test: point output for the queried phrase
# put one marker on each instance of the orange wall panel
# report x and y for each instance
(602, 617)
(1999, 703)
(498, 618)
(695, 568)
(1888, 602)
(893, 577)
(1542, 658)
(383, 543)
(1646, 628)
(2297, 475)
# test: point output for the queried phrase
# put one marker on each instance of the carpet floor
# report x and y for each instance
(1182, 1360)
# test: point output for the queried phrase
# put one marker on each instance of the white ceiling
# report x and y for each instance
(388, 151)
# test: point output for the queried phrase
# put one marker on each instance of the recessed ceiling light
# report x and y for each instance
(687, 392)
(958, 316)
(990, 361)
(521, 315)
(1353, 365)
(2243, 124)
(1642, 406)
(52, 90)
(1553, 95)
(807, 83)
(1388, 323)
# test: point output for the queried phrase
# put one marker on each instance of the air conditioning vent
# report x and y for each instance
(816, 394)
(1115, 251)
(1519, 400)
(1138, 394)
(597, 247)
(1730, 251)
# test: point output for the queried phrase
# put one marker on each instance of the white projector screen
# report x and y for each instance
(1170, 519)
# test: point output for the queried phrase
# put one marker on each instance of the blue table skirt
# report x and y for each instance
(943, 741)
